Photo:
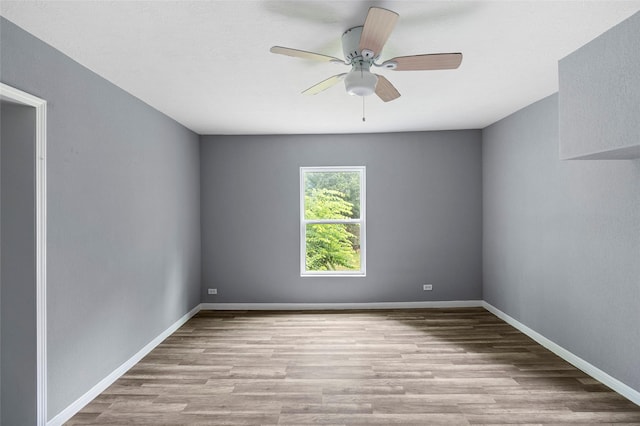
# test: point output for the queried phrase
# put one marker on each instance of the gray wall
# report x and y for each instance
(599, 96)
(17, 265)
(423, 216)
(123, 216)
(562, 241)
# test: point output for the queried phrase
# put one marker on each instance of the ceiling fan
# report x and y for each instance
(362, 46)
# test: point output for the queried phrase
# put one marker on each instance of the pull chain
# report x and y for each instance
(363, 119)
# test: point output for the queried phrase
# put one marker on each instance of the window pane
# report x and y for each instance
(333, 247)
(332, 195)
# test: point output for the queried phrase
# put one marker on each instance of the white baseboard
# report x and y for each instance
(333, 306)
(593, 371)
(76, 406)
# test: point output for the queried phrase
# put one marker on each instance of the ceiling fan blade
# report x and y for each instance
(436, 61)
(377, 29)
(385, 90)
(304, 54)
(324, 84)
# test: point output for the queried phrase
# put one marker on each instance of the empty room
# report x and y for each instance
(319, 212)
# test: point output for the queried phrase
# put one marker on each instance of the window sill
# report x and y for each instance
(358, 275)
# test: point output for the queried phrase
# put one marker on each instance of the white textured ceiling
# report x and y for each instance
(207, 63)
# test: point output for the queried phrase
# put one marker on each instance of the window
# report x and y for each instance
(332, 221)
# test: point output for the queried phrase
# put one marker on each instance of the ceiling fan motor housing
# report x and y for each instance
(351, 45)
(360, 81)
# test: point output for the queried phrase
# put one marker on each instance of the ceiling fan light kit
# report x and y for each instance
(360, 81)
(361, 47)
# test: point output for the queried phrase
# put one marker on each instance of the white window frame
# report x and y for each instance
(362, 221)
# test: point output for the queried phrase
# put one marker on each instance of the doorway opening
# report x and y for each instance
(23, 246)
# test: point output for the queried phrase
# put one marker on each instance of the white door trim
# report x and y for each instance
(15, 95)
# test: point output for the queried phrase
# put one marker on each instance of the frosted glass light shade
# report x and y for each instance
(360, 82)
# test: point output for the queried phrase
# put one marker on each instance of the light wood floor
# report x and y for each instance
(422, 367)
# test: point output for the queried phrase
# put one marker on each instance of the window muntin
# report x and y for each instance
(332, 221)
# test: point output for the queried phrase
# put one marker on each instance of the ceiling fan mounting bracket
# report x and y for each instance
(390, 65)
(367, 54)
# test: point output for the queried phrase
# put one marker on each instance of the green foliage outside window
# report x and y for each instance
(334, 196)
(331, 246)
(346, 183)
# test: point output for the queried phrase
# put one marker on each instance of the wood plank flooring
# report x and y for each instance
(375, 367)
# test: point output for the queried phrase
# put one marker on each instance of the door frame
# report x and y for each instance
(18, 96)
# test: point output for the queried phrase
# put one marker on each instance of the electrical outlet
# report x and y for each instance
(427, 287)
(213, 291)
